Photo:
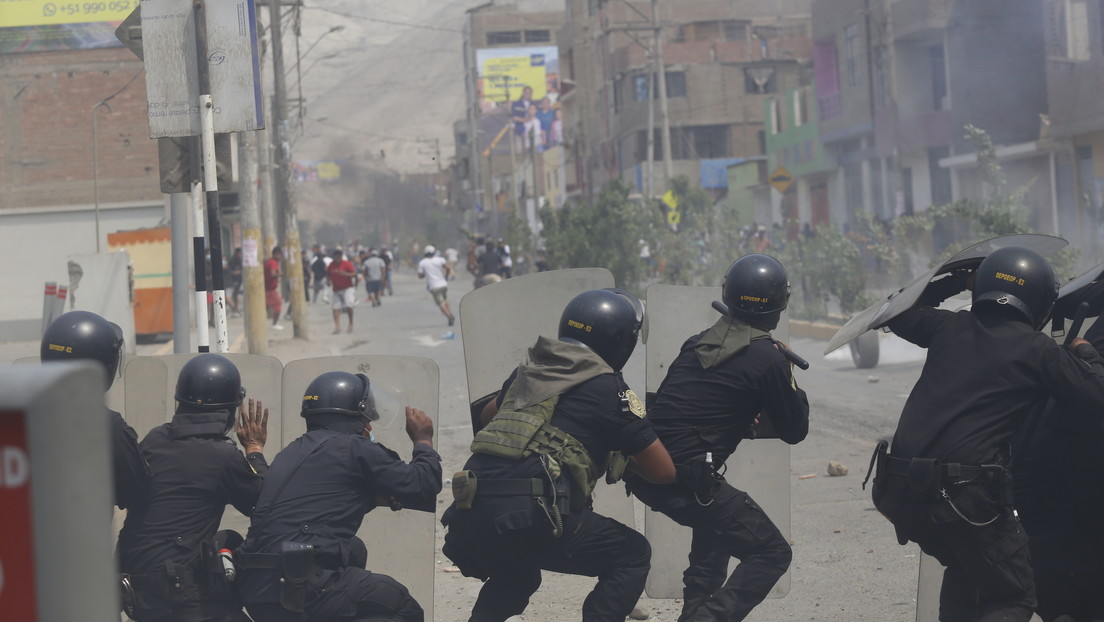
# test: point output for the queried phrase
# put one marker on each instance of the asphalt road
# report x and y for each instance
(847, 564)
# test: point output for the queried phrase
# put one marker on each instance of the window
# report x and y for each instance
(538, 36)
(1069, 29)
(851, 54)
(461, 138)
(759, 81)
(800, 107)
(676, 86)
(735, 31)
(728, 30)
(827, 80)
(938, 77)
(503, 37)
(881, 78)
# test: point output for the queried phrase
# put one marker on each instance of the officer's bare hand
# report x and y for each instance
(253, 427)
(419, 427)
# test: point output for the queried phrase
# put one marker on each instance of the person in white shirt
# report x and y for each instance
(435, 270)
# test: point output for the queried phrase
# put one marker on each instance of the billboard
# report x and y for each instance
(51, 25)
(519, 90)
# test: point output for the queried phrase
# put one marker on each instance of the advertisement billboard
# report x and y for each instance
(519, 92)
(51, 25)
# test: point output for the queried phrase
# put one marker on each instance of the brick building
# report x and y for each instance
(47, 197)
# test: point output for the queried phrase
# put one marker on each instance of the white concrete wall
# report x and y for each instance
(37, 243)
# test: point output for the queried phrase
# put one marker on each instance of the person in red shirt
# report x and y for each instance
(340, 273)
(273, 301)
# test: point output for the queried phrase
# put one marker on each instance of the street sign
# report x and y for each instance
(670, 201)
(130, 31)
(172, 83)
(781, 179)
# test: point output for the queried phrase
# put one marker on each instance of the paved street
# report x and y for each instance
(847, 564)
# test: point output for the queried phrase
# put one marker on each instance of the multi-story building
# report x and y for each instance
(721, 61)
(898, 81)
(794, 150)
(1075, 75)
(509, 54)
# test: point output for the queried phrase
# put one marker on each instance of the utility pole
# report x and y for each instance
(661, 78)
(649, 186)
(284, 186)
(253, 255)
(510, 135)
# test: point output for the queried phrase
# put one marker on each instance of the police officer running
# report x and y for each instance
(523, 503)
(168, 547)
(988, 370)
(301, 560)
(82, 335)
(714, 392)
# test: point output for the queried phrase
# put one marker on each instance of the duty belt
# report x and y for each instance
(531, 487)
(949, 472)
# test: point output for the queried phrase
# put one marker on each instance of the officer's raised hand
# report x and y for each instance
(253, 427)
(419, 427)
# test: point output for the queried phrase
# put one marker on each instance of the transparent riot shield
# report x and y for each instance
(400, 544)
(500, 322)
(760, 467)
(150, 384)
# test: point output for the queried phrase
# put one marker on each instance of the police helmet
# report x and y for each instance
(79, 335)
(607, 321)
(1019, 278)
(210, 382)
(341, 393)
(756, 289)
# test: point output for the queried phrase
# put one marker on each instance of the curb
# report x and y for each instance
(813, 330)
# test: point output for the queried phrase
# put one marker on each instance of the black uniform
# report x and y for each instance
(319, 489)
(197, 471)
(699, 410)
(1058, 492)
(131, 474)
(507, 540)
(986, 371)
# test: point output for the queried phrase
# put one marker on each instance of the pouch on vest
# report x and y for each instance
(615, 472)
(464, 486)
(296, 561)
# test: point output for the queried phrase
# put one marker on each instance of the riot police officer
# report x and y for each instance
(523, 503)
(167, 547)
(82, 335)
(301, 560)
(721, 381)
(943, 485)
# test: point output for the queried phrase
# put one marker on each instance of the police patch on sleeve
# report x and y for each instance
(633, 403)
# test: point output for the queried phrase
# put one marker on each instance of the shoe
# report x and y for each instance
(336, 332)
(276, 327)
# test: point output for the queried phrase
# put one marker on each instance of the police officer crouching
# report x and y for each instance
(82, 335)
(301, 560)
(716, 388)
(988, 370)
(168, 550)
(523, 502)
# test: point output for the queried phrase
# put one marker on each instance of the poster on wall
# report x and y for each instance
(519, 91)
(52, 25)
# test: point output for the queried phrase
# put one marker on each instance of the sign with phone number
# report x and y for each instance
(19, 13)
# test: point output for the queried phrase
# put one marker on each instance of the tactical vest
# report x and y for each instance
(517, 433)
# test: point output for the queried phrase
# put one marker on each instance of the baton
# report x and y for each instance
(1078, 320)
(790, 355)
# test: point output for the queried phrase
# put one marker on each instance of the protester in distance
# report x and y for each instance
(436, 272)
(340, 274)
(375, 272)
(272, 272)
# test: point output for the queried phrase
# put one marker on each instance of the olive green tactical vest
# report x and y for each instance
(517, 433)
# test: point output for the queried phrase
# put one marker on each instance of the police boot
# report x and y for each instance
(690, 604)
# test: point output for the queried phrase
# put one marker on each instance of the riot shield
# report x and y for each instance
(150, 383)
(400, 544)
(905, 298)
(114, 397)
(500, 322)
(1087, 287)
(760, 467)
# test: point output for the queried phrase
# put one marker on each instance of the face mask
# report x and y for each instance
(372, 436)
